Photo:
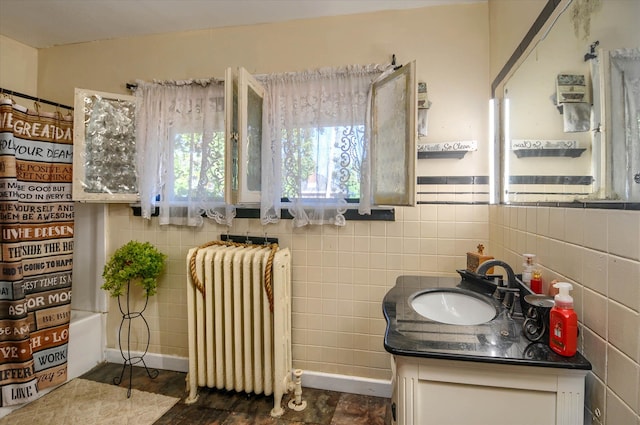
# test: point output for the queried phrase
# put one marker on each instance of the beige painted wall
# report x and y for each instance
(19, 70)
(453, 63)
(509, 21)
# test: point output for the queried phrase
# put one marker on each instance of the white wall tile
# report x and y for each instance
(618, 412)
(574, 222)
(623, 376)
(595, 350)
(624, 281)
(428, 229)
(596, 229)
(410, 214)
(624, 333)
(594, 314)
(624, 228)
(557, 223)
(428, 212)
(532, 220)
(594, 270)
(542, 220)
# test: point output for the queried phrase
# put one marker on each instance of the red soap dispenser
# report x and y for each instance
(563, 322)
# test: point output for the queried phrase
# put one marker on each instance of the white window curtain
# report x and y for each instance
(181, 145)
(314, 142)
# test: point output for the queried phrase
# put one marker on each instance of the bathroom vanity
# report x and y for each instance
(474, 374)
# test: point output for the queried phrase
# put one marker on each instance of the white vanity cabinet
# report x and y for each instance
(438, 391)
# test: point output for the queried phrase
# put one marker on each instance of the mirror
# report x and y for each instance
(570, 113)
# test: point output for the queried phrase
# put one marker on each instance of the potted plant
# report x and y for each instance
(135, 262)
(139, 263)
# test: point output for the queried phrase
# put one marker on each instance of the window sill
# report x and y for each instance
(377, 214)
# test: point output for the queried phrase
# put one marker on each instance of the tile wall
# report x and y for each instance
(598, 251)
(340, 276)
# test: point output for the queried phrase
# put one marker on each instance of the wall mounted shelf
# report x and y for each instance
(444, 154)
(530, 153)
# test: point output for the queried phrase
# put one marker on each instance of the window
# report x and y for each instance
(104, 147)
(314, 142)
(323, 158)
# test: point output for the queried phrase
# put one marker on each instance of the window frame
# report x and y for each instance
(379, 197)
(80, 138)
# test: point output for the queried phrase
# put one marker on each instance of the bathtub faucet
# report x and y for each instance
(510, 292)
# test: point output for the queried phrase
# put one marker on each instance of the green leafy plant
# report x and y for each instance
(135, 261)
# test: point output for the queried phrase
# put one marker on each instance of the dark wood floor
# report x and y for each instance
(215, 407)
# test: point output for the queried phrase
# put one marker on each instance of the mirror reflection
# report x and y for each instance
(571, 112)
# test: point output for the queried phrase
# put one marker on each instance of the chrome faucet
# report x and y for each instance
(510, 292)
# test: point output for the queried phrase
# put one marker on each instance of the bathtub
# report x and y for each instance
(86, 342)
(86, 347)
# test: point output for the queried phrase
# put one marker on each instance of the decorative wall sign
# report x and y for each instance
(457, 149)
(524, 148)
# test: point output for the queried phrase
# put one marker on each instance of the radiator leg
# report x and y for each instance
(193, 390)
(277, 410)
(297, 403)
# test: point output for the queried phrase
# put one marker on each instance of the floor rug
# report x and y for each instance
(84, 402)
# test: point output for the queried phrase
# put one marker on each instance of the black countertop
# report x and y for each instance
(500, 340)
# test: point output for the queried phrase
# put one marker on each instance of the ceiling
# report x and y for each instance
(46, 23)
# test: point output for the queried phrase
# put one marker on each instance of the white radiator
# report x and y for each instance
(235, 341)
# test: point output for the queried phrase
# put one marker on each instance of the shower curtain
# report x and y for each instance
(36, 222)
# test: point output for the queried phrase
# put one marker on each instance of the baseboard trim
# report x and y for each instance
(310, 379)
(152, 360)
(346, 384)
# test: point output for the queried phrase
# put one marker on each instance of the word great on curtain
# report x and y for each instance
(37, 223)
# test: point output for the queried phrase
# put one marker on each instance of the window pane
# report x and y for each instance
(110, 146)
(198, 169)
(393, 138)
(326, 158)
(254, 140)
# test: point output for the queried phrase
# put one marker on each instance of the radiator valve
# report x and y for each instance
(297, 403)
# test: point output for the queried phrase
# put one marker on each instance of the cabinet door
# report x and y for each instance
(393, 138)
(104, 157)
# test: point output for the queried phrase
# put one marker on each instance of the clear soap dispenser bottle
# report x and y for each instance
(527, 268)
(563, 322)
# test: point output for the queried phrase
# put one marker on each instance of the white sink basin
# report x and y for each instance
(453, 307)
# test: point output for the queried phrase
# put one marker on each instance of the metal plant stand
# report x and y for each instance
(129, 360)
